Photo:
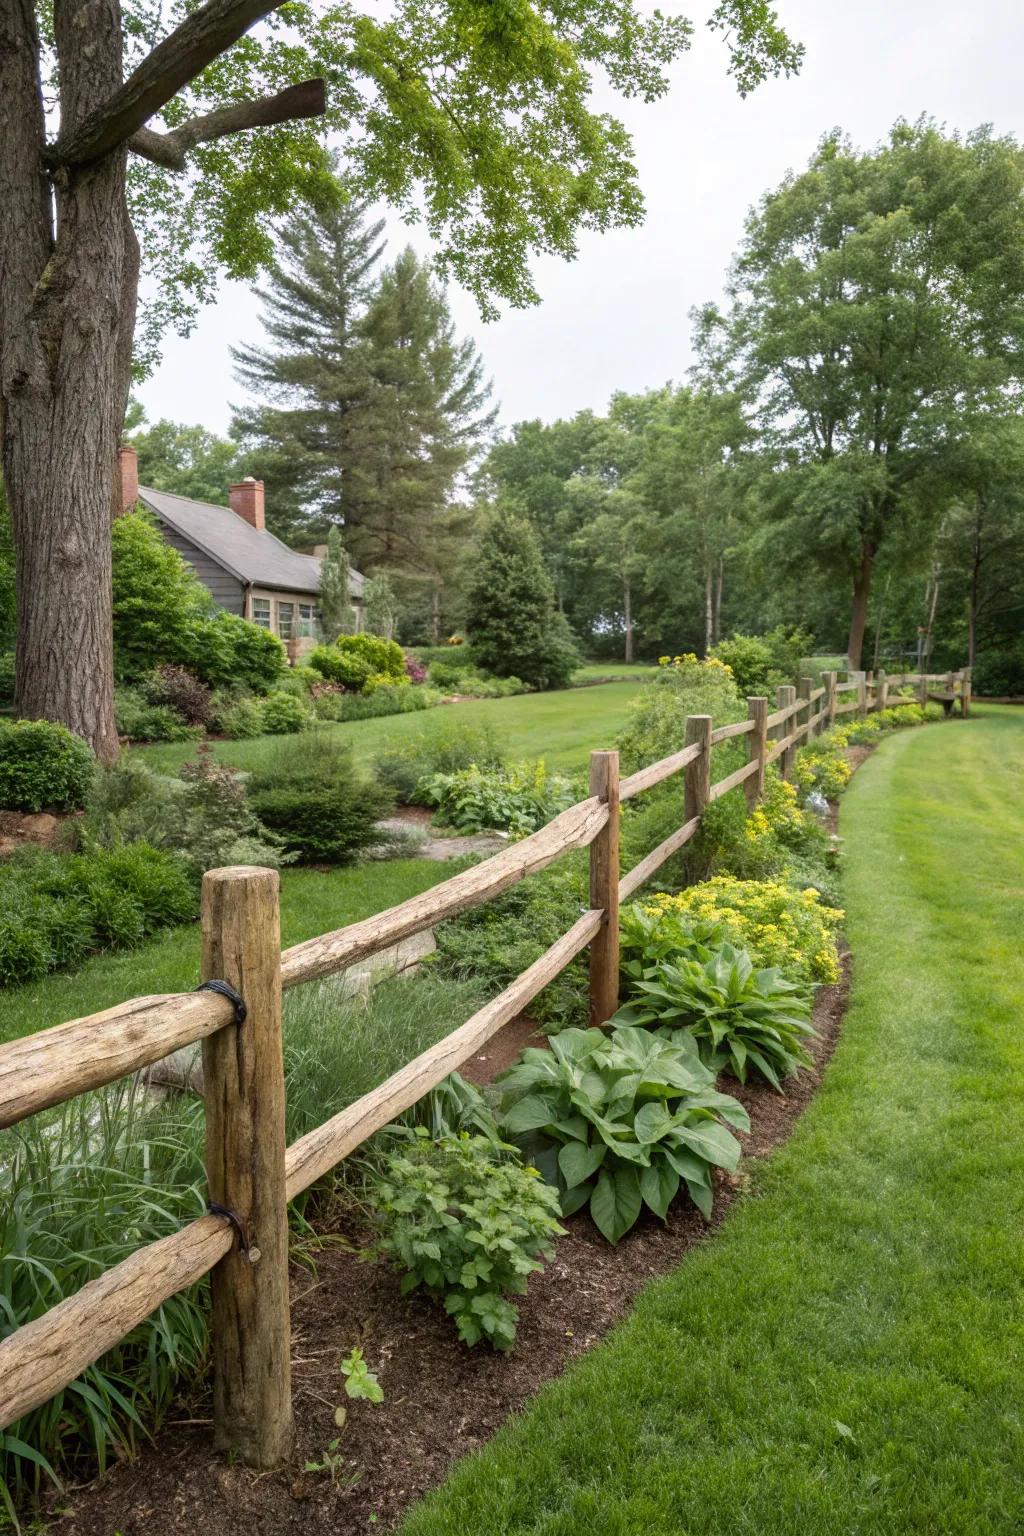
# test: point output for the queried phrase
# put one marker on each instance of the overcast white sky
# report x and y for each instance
(616, 318)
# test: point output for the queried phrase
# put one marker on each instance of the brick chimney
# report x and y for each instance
(246, 499)
(126, 480)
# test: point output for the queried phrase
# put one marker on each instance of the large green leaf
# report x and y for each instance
(616, 1201)
(658, 1186)
(577, 1162)
(530, 1114)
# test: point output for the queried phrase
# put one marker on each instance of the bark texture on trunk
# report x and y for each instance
(627, 604)
(68, 289)
(709, 607)
(859, 612)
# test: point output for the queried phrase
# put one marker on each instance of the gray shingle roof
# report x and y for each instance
(248, 553)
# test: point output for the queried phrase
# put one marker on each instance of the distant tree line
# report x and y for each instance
(847, 454)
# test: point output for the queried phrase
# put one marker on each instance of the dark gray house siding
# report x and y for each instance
(226, 590)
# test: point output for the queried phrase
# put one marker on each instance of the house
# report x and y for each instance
(246, 569)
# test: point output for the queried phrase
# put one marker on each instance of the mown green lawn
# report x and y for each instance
(312, 902)
(847, 1354)
(561, 727)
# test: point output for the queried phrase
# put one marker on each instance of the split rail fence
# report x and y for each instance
(251, 1174)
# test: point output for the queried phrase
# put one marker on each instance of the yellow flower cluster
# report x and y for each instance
(689, 659)
(777, 925)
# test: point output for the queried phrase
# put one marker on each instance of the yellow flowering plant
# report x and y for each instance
(776, 924)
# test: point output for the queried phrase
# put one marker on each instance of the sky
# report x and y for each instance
(617, 318)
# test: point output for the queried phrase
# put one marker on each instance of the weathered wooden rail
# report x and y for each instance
(251, 1174)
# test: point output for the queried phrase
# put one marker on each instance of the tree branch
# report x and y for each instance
(309, 99)
(183, 54)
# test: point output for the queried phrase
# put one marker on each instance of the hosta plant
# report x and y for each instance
(740, 1017)
(468, 1221)
(621, 1119)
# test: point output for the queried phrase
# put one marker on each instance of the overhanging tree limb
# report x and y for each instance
(308, 99)
(185, 53)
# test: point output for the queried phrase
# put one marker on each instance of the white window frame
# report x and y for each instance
(264, 614)
(282, 621)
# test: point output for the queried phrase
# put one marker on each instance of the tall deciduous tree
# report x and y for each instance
(878, 304)
(484, 107)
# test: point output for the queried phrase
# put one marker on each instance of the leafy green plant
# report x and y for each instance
(340, 706)
(56, 909)
(518, 799)
(239, 719)
(402, 765)
(470, 1223)
(42, 767)
(621, 1118)
(739, 1017)
(682, 686)
(138, 719)
(354, 659)
(360, 1382)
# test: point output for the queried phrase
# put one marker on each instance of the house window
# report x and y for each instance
(261, 612)
(309, 621)
(285, 620)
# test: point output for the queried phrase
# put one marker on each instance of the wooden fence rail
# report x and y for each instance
(250, 1172)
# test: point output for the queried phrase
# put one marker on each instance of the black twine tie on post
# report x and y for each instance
(225, 989)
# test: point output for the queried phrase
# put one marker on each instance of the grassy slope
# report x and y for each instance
(562, 727)
(311, 903)
(875, 1281)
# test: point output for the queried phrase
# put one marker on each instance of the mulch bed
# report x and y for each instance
(441, 1400)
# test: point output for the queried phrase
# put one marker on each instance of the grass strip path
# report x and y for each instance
(847, 1354)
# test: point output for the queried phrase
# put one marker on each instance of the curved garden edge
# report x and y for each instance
(441, 1400)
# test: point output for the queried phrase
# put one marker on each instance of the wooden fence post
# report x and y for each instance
(785, 695)
(829, 679)
(965, 692)
(862, 693)
(757, 739)
(245, 1146)
(882, 693)
(698, 773)
(604, 890)
(804, 687)
(922, 689)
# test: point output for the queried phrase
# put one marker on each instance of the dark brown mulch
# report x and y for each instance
(441, 1400)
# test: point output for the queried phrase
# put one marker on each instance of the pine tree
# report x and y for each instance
(313, 385)
(369, 407)
(510, 614)
(336, 614)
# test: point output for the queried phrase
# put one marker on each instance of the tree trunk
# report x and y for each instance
(859, 613)
(67, 318)
(435, 614)
(709, 608)
(627, 604)
(716, 628)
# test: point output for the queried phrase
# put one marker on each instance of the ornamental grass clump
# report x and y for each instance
(776, 924)
(621, 1118)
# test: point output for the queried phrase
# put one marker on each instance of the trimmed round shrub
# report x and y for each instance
(43, 766)
(341, 667)
(354, 660)
(312, 797)
(283, 713)
(240, 720)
